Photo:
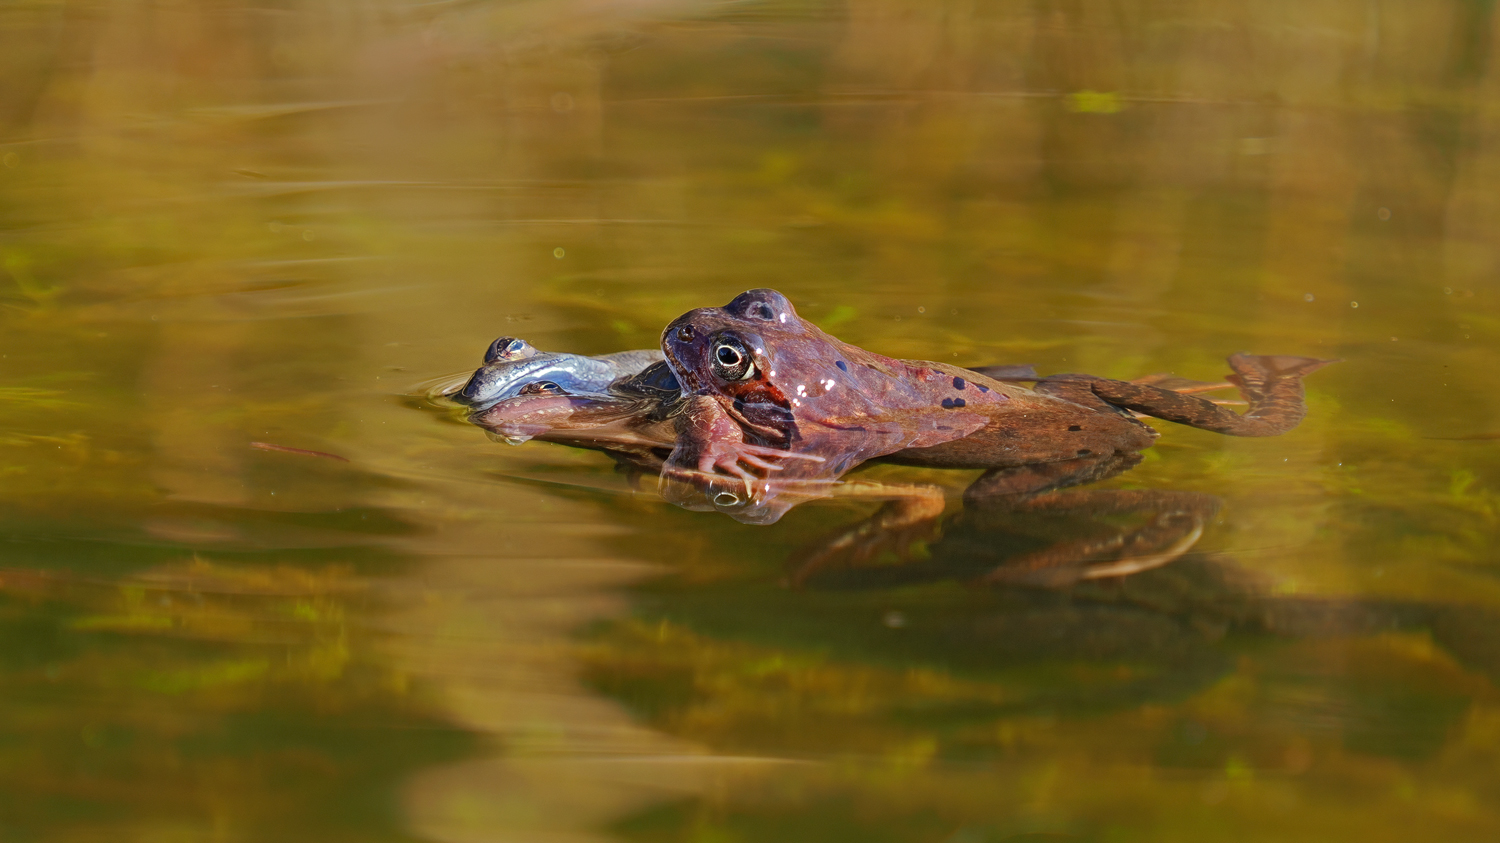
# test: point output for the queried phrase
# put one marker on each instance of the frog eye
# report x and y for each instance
(541, 388)
(731, 361)
(764, 305)
(508, 348)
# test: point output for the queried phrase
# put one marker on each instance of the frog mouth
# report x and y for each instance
(525, 416)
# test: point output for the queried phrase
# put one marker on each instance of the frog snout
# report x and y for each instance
(478, 387)
(684, 329)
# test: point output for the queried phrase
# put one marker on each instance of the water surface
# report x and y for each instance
(224, 224)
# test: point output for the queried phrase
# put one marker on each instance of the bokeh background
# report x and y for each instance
(284, 222)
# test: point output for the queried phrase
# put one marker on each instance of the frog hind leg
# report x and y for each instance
(1173, 523)
(1272, 384)
(1017, 481)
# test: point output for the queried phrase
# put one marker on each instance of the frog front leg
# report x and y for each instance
(710, 440)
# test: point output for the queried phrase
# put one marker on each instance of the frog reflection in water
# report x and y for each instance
(752, 383)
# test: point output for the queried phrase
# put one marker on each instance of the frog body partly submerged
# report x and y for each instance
(758, 379)
(585, 401)
(761, 389)
(754, 410)
(512, 365)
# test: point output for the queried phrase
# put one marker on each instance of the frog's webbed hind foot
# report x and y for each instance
(1259, 375)
(1272, 384)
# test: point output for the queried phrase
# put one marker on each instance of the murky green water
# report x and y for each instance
(226, 224)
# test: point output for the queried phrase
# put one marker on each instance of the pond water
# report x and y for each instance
(224, 224)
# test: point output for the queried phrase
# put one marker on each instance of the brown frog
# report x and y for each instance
(764, 389)
(633, 418)
(587, 402)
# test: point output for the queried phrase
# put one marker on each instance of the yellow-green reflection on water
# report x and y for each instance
(223, 224)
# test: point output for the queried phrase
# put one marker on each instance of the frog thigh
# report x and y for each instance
(1010, 482)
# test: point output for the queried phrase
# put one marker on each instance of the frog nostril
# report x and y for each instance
(685, 333)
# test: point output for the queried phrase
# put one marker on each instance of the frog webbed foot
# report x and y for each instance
(710, 442)
(1262, 378)
(720, 478)
(1272, 384)
(731, 459)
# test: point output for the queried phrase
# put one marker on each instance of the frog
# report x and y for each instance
(629, 418)
(512, 364)
(632, 420)
(764, 390)
(622, 403)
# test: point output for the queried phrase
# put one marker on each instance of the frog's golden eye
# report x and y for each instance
(731, 361)
(541, 388)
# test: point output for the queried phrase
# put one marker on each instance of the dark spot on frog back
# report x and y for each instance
(953, 403)
(843, 367)
(958, 383)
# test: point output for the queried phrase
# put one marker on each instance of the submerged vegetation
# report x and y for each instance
(235, 237)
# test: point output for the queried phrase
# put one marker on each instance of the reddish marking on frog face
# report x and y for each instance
(757, 390)
(741, 381)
